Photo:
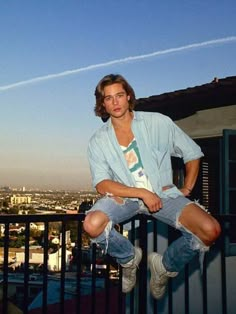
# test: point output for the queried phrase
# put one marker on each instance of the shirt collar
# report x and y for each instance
(137, 117)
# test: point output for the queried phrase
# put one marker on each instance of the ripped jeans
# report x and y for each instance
(175, 257)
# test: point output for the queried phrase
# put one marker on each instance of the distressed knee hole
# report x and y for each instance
(195, 243)
(198, 245)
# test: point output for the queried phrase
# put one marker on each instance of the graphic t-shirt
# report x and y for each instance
(135, 165)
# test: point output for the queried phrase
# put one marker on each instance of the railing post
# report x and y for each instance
(26, 268)
(45, 268)
(143, 266)
(5, 270)
(62, 249)
(79, 266)
(93, 287)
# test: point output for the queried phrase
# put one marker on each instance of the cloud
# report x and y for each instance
(118, 61)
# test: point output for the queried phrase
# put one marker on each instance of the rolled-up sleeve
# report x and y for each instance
(183, 145)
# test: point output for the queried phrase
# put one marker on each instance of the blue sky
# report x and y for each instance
(54, 52)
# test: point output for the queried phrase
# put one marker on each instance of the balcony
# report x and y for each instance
(95, 289)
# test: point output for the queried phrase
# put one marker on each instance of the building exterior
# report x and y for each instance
(208, 114)
(20, 199)
(37, 258)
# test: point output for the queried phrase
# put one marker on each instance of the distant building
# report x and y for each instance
(19, 199)
(5, 188)
(54, 260)
(37, 258)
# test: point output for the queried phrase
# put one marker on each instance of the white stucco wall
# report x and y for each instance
(210, 122)
(214, 285)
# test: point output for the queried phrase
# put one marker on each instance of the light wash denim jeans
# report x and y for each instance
(176, 256)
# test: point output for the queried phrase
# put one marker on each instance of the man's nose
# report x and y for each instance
(115, 99)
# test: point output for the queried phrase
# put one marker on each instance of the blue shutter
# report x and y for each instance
(228, 187)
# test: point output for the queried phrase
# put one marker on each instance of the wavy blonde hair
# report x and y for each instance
(110, 79)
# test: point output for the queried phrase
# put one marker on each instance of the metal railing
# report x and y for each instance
(104, 294)
(139, 301)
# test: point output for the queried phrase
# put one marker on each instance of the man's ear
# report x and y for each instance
(128, 97)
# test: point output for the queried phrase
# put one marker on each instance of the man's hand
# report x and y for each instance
(152, 201)
(116, 189)
(185, 191)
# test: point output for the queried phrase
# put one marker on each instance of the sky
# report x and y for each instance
(54, 52)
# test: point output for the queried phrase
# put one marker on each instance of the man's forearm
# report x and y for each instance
(118, 189)
(192, 170)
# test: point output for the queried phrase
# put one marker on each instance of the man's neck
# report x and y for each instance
(122, 122)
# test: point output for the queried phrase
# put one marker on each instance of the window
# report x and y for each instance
(229, 186)
(216, 184)
(218, 181)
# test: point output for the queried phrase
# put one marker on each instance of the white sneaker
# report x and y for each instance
(159, 275)
(129, 271)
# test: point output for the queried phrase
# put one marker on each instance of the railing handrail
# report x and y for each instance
(8, 218)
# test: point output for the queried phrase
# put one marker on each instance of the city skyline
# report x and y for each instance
(53, 54)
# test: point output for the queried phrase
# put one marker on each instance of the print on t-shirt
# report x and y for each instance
(135, 165)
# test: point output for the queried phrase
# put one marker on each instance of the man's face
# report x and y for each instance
(116, 100)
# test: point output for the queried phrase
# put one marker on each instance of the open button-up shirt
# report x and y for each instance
(158, 138)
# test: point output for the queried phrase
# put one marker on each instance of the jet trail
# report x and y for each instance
(119, 61)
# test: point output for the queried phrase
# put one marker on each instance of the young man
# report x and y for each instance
(130, 161)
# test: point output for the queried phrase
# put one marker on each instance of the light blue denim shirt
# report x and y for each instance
(158, 138)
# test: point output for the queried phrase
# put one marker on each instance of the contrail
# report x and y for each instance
(118, 61)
